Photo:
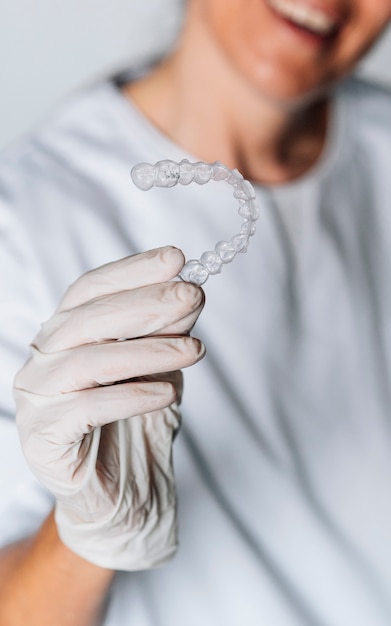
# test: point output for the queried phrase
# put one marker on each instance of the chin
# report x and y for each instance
(290, 89)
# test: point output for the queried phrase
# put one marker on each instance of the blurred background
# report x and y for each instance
(50, 47)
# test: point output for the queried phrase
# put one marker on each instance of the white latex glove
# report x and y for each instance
(97, 416)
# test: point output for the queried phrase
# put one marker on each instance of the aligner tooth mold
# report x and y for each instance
(194, 272)
(248, 227)
(186, 172)
(203, 172)
(220, 171)
(239, 242)
(212, 262)
(143, 176)
(249, 209)
(168, 173)
(225, 251)
(234, 177)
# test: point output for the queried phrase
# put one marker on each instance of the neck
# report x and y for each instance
(209, 109)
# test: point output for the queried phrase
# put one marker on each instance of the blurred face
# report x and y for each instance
(289, 49)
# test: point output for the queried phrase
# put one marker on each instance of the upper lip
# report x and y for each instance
(316, 15)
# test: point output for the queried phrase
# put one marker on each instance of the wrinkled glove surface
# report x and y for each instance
(97, 407)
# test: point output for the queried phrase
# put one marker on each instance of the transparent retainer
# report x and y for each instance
(169, 173)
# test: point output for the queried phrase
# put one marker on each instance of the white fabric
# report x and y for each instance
(283, 463)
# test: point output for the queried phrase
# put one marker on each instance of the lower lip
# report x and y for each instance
(312, 38)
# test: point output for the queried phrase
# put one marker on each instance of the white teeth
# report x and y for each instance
(303, 15)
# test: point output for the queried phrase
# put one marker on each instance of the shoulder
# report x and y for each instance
(80, 122)
(66, 170)
(56, 186)
(42, 172)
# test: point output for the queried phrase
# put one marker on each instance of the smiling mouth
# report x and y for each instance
(311, 19)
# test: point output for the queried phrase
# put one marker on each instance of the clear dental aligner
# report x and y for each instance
(169, 173)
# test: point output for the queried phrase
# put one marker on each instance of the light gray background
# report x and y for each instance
(49, 47)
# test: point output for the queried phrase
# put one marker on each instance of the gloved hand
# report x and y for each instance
(97, 416)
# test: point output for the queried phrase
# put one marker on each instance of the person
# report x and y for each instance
(283, 460)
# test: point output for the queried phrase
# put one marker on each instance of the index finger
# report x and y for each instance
(147, 268)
